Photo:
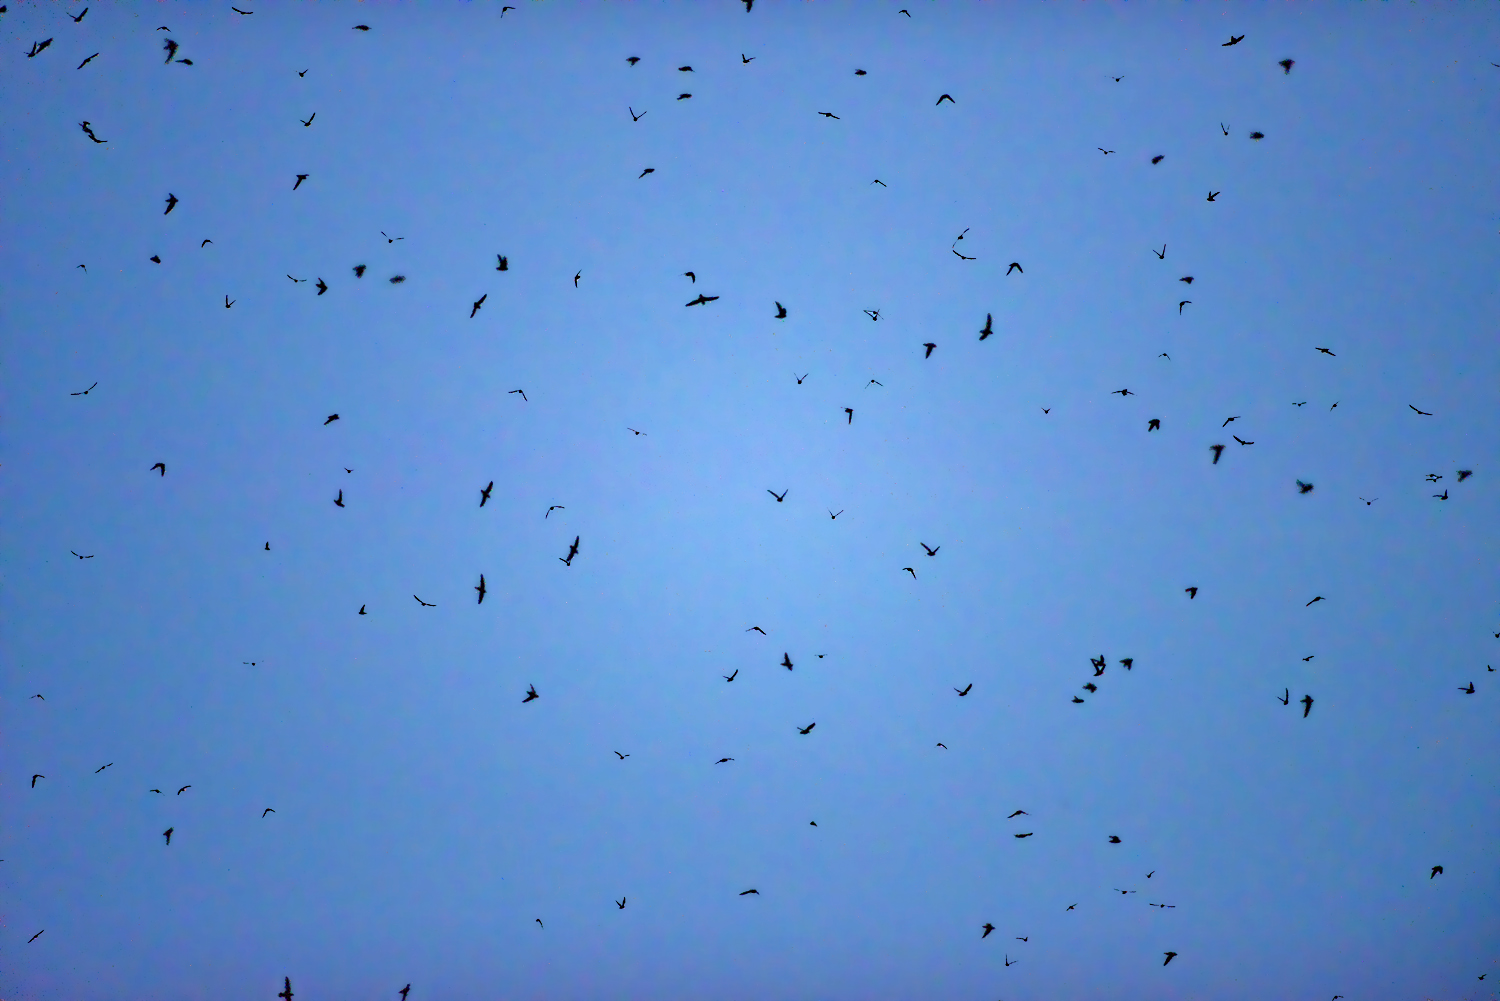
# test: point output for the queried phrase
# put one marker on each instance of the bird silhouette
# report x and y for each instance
(477, 303)
(621, 903)
(948, 98)
(965, 690)
(1422, 412)
(747, 60)
(172, 201)
(720, 762)
(806, 729)
(910, 571)
(989, 326)
(1218, 450)
(1286, 66)
(1468, 691)
(1127, 662)
(307, 123)
(632, 60)
(1169, 955)
(522, 392)
(266, 811)
(1160, 254)
(481, 589)
(359, 270)
(1241, 440)
(987, 929)
(35, 777)
(361, 609)
(530, 694)
(1122, 392)
(1286, 697)
(1308, 657)
(361, 27)
(648, 170)
(1437, 870)
(339, 500)
(170, 47)
(689, 274)
(1257, 136)
(1158, 158)
(1014, 266)
(168, 834)
(786, 661)
(89, 557)
(1318, 598)
(504, 264)
(1328, 353)
(756, 629)
(331, 418)
(1186, 278)
(87, 61)
(929, 346)
(1026, 835)
(779, 497)
(484, 495)
(183, 789)
(1307, 704)
(572, 552)
(286, 992)
(86, 392)
(835, 517)
(424, 604)
(930, 552)
(746, 893)
(1192, 592)
(160, 465)
(962, 257)
(880, 182)
(829, 114)
(683, 97)
(576, 277)
(942, 745)
(781, 315)
(1154, 424)
(702, 299)
(1106, 152)
(389, 238)
(403, 991)
(1224, 128)
(873, 314)
(1233, 40)
(1463, 474)
(1304, 488)
(1018, 813)
(1185, 302)
(731, 677)
(633, 429)
(300, 179)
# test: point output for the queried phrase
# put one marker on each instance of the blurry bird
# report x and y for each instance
(806, 729)
(229, 302)
(683, 97)
(910, 571)
(962, 257)
(1169, 955)
(484, 495)
(1218, 450)
(1090, 687)
(80, 16)
(579, 275)
(781, 315)
(1257, 136)
(1106, 152)
(286, 992)
(266, 811)
(481, 589)
(404, 990)
(859, 73)
(1463, 474)
(86, 392)
(1122, 392)
(1241, 440)
(632, 60)
(1318, 598)
(929, 346)
(850, 412)
(1224, 128)
(389, 238)
(35, 777)
(1422, 412)
(786, 661)
(361, 609)
(1018, 813)
(1441, 496)
(171, 203)
(300, 179)
(1162, 254)
(874, 314)
(1286, 696)
(942, 745)
(880, 182)
(720, 762)
(339, 501)
(1026, 835)
(1158, 158)
(1153, 425)
(504, 264)
(1185, 302)
(744, 893)
(965, 690)
(946, 97)
(648, 170)
(835, 517)
(477, 303)
(747, 60)
(1014, 266)
(331, 419)
(987, 929)
(1192, 592)
(424, 604)
(779, 497)
(361, 27)
(1186, 278)
(171, 49)
(168, 834)
(1286, 66)
(1307, 704)
(989, 326)
(1304, 488)
(621, 903)
(183, 790)
(1212, 195)
(1071, 906)
(1233, 40)
(930, 552)
(572, 551)
(89, 557)
(1467, 691)
(633, 429)
(39, 935)
(829, 114)
(701, 300)
(756, 629)
(689, 274)
(160, 465)
(303, 73)
(307, 123)
(530, 694)
(1328, 353)
(359, 270)
(1077, 699)
(1127, 662)
(1437, 870)
(1114, 839)
(731, 677)
(1308, 657)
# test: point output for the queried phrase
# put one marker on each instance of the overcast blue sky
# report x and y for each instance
(425, 817)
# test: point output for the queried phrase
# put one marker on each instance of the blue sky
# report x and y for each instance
(425, 817)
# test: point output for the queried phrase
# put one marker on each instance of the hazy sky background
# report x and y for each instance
(425, 817)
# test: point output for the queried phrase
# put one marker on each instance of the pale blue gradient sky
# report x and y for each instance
(425, 816)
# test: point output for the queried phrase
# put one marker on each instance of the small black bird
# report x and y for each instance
(86, 392)
(850, 412)
(530, 694)
(948, 98)
(331, 419)
(477, 303)
(183, 789)
(747, 60)
(522, 392)
(1186, 278)
(756, 629)
(829, 114)
(745, 893)
(481, 589)
(1169, 955)
(910, 571)
(39, 935)
(835, 517)
(1241, 440)
(403, 991)
(88, 60)
(1233, 40)
(80, 16)
(35, 777)
(484, 495)
(303, 73)
(307, 123)
(989, 326)
(689, 274)
(171, 204)
(929, 346)
(1185, 302)
(286, 992)
(238, 11)
(965, 690)
(1158, 158)
(361, 27)
(1463, 474)
(786, 661)
(1114, 839)
(1106, 152)
(266, 811)
(1328, 353)
(632, 60)
(987, 929)
(1286, 66)
(1192, 592)
(572, 551)
(806, 729)
(731, 677)
(720, 762)
(1286, 697)
(339, 500)
(1224, 128)
(781, 312)
(1161, 255)
(554, 507)
(504, 264)
(361, 609)
(168, 834)
(1437, 870)
(1030, 833)
(874, 314)
(424, 604)
(648, 170)
(930, 552)
(1154, 424)
(160, 465)
(1122, 392)
(359, 270)
(1014, 266)
(1318, 598)
(633, 429)
(1304, 488)
(1422, 412)
(1090, 687)
(621, 903)
(701, 300)
(1212, 195)
(1127, 662)
(396, 279)
(683, 97)
(1218, 450)
(1307, 704)
(1467, 691)
(1257, 136)
(89, 557)
(779, 497)
(1018, 813)
(171, 49)
(300, 179)
(229, 302)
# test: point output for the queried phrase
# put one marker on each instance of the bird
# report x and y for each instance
(1233, 40)
(829, 114)
(307, 123)
(1122, 392)
(361, 609)
(874, 314)
(172, 201)
(229, 302)
(266, 811)
(648, 170)
(171, 49)
(424, 604)
(300, 179)
(1463, 474)
(1422, 412)
(745, 893)
(621, 903)
(781, 315)
(1257, 136)
(35, 777)
(157, 791)
(633, 429)
(530, 694)
(622, 757)
(904, 11)
(339, 500)
(1308, 657)
(693, 276)
(1192, 592)
(747, 60)
(504, 264)
(1286, 66)
(1307, 704)
(1224, 128)
(522, 392)
(786, 660)
(359, 270)
(1099, 664)
(987, 929)
(102, 767)
(946, 97)
(1304, 488)
(1106, 152)
(1127, 662)
(835, 517)
(361, 27)
(965, 690)
(683, 97)
(874, 382)
(1328, 353)
(238, 11)
(720, 762)
(731, 677)
(86, 392)
(1467, 691)
(910, 571)
(1169, 955)
(929, 346)
(80, 16)
(756, 629)
(572, 551)
(942, 745)
(286, 992)
(1218, 450)
(1009, 961)
(1018, 813)
(1241, 440)
(701, 300)
(160, 465)
(88, 130)
(39, 935)
(1158, 158)
(1026, 835)
(1154, 424)
(579, 275)
(331, 419)
(88, 60)
(481, 589)
(632, 60)
(880, 182)
(1151, 873)
(930, 552)
(484, 495)
(989, 326)
(1162, 254)
(806, 729)
(1212, 195)
(554, 507)
(1318, 598)
(168, 834)
(1015, 266)
(389, 238)
(1185, 302)
(1071, 906)
(183, 789)
(303, 73)
(962, 257)
(1186, 278)
(779, 497)
(407, 988)
(89, 557)
(1286, 697)
(477, 303)
(1442, 496)
(1122, 892)
(1335, 404)
(1437, 870)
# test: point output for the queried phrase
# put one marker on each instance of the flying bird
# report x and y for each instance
(987, 929)
(692, 275)
(35, 777)
(303, 73)
(781, 315)
(1212, 195)
(1122, 392)
(621, 903)
(80, 16)
(1463, 474)
(1106, 152)
(1286, 697)
(1185, 302)
(1018, 813)
(522, 392)
(160, 465)
(580, 274)
(331, 419)
(874, 314)
(850, 412)
(1308, 657)
(238, 11)
(929, 346)
(930, 552)
(172, 201)
(1286, 66)
(86, 392)
(307, 123)
(946, 97)
(477, 303)
(961, 256)
(530, 694)
(880, 182)
(389, 238)
(910, 571)
(1224, 128)
(361, 27)
(702, 299)
(403, 991)
(683, 97)
(359, 270)
(361, 609)
(835, 517)
(806, 729)
(1257, 136)
(648, 170)
(756, 629)
(829, 114)
(1169, 955)
(1154, 424)
(300, 179)
(229, 302)
(1158, 158)
(339, 500)
(965, 690)
(88, 60)
(1127, 663)
(1026, 835)
(1233, 40)
(1442, 496)
(1015, 266)
(481, 589)
(747, 60)
(1191, 592)
(89, 557)
(1318, 598)
(1304, 488)
(183, 789)
(424, 604)
(1162, 254)
(396, 279)
(171, 49)
(504, 264)
(1466, 691)
(779, 497)
(720, 762)
(484, 495)
(1437, 870)
(731, 677)
(1307, 704)
(168, 834)
(266, 811)
(989, 326)
(1241, 440)
(744, 893)
(1218, 450)
(286, 992)
(786, 661)
(572, 551)
(39, 935)
(1422, 412)
(633, 429)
